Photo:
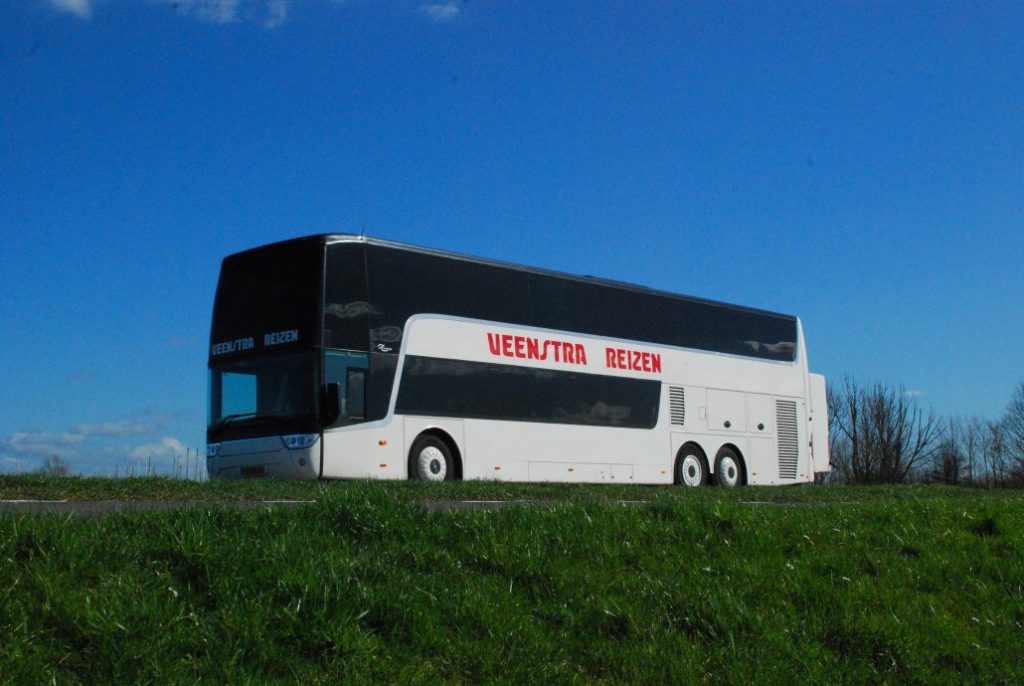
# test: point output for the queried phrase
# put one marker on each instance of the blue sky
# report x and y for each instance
(860, 165)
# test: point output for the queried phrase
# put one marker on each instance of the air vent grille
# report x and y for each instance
(787, 437)
(677, 405)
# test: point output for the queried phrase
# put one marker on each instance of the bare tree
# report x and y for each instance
(1013, 434)
(960, 457)
(54, 465)
(948, 463)
(881, 434)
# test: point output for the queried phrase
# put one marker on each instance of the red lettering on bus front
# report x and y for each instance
(493, 343)
(581, 354)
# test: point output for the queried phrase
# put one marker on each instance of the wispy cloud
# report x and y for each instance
(28, 443)
(95, 442)
(166, 448)
(913, 393)
(269, 14)
(216, 11)
(80, 8)
(442, 11)
(277, 12)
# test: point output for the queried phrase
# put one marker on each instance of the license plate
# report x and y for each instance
(255, 470)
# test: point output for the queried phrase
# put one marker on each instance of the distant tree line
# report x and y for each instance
(879, 434)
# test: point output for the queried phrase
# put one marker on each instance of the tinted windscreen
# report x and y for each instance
(263, 395)
(454, 388)
(268, 298)
(404, 283)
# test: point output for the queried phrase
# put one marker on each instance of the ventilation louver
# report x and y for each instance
(787, 437)
(677, 405)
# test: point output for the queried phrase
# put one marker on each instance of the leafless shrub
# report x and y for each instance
(54, 465)
(1012, 426)
(879, 433)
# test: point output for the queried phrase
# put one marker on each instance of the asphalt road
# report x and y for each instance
(95, 508)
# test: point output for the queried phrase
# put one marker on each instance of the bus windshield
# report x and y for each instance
(269, 394)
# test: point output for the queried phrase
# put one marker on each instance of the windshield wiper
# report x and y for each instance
(231, 418)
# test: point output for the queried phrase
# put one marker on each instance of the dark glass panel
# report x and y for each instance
(402, 284)
(455, 388)
(346, 306)
(382, 378)
(263, 395)
(271, 291)
(481, 291)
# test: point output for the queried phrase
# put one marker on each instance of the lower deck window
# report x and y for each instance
(477, 390)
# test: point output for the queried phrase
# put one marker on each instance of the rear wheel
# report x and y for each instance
(729, 469)
(431, 460)
(691, 469)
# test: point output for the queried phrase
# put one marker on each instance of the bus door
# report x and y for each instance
(348, 370)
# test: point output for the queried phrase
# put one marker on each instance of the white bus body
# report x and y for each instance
(767, 419)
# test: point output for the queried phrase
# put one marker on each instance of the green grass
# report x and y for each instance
(820, 585)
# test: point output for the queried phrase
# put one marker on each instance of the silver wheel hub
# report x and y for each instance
(728, 472)
(691, 471)
(431, 464)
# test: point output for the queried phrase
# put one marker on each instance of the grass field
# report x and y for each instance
(805, 585)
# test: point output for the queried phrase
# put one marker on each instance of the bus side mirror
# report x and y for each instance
(332, 403)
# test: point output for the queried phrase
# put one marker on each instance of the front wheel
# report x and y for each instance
(729, 469)
(431, 460)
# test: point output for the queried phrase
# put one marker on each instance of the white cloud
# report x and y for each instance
(80, 8)
(277, 12)
(269, 13)
(137, 443)
(124, 427)
(216, 11)
(67, 443)
(34, 443)
(445, 11)
(168, 447)
(913, 393)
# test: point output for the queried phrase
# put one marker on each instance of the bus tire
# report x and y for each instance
(691, 467)
(729, 469)
(431, 460)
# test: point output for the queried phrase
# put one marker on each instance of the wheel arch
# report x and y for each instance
(441, 435)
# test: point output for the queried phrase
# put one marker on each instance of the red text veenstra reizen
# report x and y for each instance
(567, 352)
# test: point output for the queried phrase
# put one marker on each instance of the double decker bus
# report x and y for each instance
(340, 356)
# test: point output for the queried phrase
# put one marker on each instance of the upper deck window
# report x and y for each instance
(404, 283)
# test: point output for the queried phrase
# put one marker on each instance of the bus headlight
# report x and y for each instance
(212, 450)
(298, 441)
